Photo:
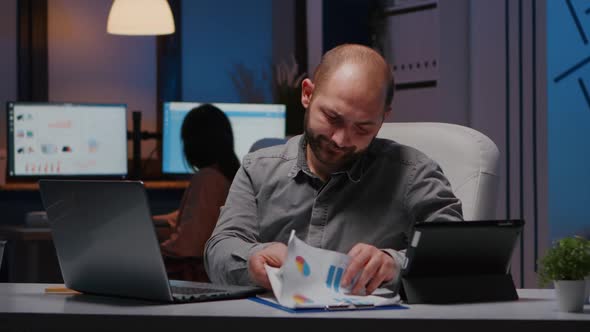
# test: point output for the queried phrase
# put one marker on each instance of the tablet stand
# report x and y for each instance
(458, 289)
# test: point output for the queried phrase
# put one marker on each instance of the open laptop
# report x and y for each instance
(106, 244)
(453, 262)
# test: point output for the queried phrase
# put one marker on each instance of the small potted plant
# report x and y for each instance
(567, 264)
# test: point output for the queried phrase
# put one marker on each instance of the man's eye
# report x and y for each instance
(331, 118)
(362, 131)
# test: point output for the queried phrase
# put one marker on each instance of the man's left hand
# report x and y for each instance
(375, 267)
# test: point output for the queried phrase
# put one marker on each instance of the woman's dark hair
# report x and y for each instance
(207, 139)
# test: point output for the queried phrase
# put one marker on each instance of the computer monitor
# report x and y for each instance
(66, 140)
(250, 122)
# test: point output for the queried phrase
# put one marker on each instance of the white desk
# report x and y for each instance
(26, 307)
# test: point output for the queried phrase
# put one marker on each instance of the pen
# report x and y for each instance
(60, 290)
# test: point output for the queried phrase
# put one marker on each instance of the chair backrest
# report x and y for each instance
(266, 142)
(469, 159)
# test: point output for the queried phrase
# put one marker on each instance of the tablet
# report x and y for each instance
(466, 256)
(468, 247)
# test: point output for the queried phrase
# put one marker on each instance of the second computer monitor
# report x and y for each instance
(66, 140)
(250, 122)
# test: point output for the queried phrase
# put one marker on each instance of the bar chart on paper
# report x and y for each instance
(334, 278)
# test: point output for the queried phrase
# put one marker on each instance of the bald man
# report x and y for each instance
(337, 185)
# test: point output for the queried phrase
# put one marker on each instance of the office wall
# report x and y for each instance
(315, 39)
(345, 21)
(8, 62)
(508, 104)
(223, 41)
(283, 29)
(568, 31)
(86, 64)
(437, 40)
(490, 77)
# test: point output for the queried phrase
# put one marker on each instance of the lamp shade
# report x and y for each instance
(140, 18)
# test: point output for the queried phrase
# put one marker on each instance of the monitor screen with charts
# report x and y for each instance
(250, 122)
(67, 140)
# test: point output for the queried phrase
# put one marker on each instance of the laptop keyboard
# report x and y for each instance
(202, 291)
(194, 290)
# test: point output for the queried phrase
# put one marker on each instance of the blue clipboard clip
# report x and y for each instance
(332, 308)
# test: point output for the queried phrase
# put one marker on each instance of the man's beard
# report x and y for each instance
(324, 150)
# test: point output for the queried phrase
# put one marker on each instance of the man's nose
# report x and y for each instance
(341, 138)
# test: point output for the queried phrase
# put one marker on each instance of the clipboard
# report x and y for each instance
(329, 308)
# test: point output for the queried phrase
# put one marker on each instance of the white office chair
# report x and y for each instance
(469, 159)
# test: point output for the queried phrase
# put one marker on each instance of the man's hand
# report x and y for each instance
(274, 255)
(375, 266)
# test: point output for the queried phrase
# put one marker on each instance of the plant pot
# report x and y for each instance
(570, 295)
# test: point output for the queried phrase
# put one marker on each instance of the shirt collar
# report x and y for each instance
(300, 165)
(354, 173)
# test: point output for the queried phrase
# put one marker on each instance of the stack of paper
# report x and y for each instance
(311, 278)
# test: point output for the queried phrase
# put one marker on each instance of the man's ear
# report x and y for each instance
(387, 113)
(306, 92)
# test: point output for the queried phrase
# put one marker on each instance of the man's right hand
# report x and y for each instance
(274, 255)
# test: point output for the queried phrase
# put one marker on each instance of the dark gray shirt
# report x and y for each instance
(376, 202)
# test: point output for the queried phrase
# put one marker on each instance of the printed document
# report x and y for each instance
(311, 278)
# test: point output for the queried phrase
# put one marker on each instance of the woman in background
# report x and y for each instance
(208, 146)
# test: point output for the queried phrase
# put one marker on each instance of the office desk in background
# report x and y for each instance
(30, 254)
(18, 198)
(26, 307)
